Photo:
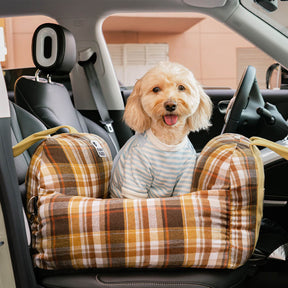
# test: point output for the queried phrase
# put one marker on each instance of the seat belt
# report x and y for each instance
(94, 85)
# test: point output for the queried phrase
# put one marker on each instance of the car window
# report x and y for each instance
(214, 53)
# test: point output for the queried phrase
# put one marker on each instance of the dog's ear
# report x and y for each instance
(134, 115)
(200, 119)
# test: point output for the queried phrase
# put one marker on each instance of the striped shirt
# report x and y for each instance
(148, 168)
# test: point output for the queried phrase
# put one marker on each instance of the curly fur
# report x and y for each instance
(146, 106)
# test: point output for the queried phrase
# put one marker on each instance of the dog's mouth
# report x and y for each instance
(170, 119)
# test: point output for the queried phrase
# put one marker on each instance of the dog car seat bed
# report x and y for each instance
(214, 226)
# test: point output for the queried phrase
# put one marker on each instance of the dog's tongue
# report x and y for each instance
(170, 119)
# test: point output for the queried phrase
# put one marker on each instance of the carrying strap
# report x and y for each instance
(32, 139)
(277, 148)
(26, 143)
(94, 85)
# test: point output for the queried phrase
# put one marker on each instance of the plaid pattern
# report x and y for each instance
(212, 227)
(70, 164)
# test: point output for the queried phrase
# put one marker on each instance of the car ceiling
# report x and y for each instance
(90, 8)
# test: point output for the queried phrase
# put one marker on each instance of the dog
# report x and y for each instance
(158, 161)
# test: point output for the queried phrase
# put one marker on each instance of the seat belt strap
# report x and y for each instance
(94, 85)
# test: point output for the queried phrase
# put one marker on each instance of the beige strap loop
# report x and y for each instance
(277, 148)
(32, 139)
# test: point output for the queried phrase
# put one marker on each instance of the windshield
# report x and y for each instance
(273, 12)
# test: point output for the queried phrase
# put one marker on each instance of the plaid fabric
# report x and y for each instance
(212, 227)
(71, 164)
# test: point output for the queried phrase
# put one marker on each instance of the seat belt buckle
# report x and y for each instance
(108, 125)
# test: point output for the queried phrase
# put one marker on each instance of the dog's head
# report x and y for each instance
(168, 96)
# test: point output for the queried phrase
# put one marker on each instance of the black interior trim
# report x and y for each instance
(12, 211)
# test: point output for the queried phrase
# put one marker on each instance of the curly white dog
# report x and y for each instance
(165, 105)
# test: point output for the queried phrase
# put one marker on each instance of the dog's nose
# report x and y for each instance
(170, 106)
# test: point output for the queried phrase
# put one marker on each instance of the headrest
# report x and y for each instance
(53, 49)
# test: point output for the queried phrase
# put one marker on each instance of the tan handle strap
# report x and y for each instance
(277, 148)
(23, 145)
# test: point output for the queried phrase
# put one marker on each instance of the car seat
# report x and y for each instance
(24, 124)
(54, 96)
(47, 100)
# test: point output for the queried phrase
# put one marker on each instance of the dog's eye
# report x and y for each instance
(156, 89)
(181, 88)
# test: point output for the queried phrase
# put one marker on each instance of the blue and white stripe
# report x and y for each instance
(147, 168)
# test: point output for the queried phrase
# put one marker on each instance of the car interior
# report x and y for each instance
(39, 102)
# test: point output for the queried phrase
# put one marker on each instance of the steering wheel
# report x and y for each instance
(241, 116)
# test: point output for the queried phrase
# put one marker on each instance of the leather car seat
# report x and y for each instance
(54, 53)
(24, 124)
(41, 97)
